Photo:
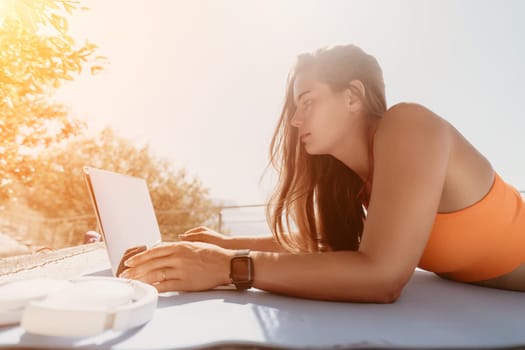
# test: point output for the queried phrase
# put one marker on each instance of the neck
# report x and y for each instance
(354, 151)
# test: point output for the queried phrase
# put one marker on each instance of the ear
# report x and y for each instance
(354, 100)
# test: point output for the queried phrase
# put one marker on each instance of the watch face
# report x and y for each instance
(241, 269)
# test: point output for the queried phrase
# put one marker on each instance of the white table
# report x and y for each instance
(431, 313)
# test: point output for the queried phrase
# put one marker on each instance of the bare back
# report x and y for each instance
(469, 176)
(468, 179)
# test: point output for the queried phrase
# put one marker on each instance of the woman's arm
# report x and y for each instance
(204, 234)
(411, 155)
(194, 266)
(411, 151)
(338, 276)
(261, 243)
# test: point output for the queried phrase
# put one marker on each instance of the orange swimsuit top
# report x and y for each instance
(482, 241)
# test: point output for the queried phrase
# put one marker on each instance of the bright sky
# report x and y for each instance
(203, 81)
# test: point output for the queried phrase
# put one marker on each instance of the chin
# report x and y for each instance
(313, 151)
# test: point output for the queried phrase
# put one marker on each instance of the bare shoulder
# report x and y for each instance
(411, 151)
(411, 142)
(407, 113)
(413, 123)
(408, 107)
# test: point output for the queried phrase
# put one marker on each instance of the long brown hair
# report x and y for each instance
(318, 193)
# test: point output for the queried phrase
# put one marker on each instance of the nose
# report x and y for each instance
(297, 119)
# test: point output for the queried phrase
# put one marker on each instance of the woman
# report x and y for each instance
(373, 192)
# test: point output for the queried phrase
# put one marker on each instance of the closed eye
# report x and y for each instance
(307, 104)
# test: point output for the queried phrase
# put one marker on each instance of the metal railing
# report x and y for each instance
(36, 231)
(58, 232)
(219, 210)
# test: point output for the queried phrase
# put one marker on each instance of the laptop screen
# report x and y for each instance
(124, 212)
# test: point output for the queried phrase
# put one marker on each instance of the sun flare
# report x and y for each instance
(32, 15)
(7, 7)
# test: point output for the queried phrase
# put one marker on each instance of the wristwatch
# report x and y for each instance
(241, 269)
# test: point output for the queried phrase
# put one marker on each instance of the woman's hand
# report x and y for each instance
(259, 243)
(181, 266)
(204, 234)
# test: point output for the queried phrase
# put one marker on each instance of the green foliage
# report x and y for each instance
(43, 149)
(36, 56)
(58, 188)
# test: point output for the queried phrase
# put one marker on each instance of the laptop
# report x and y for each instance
(124, 211)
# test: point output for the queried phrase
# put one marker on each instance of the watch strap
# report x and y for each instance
(247, 283)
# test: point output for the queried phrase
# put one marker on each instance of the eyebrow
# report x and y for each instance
(301, 95)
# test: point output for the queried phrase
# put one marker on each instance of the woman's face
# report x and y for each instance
(323, 117)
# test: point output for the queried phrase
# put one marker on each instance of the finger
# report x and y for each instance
(133, 251)
(191, 237)
(152, 277)
(197, 229)
(147, 267)
(153, 253)
(128, 254)
(171, 285)
(158, 276)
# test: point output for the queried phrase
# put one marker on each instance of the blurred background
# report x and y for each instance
(186, 94)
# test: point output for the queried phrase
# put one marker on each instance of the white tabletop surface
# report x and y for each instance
(431, 313)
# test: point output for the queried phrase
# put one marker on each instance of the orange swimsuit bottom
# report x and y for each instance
(482, 241)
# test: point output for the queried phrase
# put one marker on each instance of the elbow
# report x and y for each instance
(392, 291)
(391, 295)
(394, 281)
